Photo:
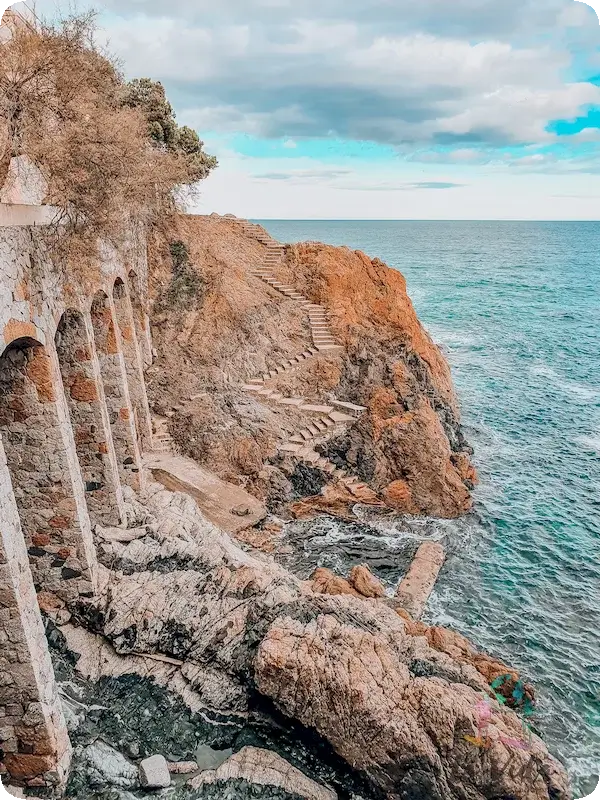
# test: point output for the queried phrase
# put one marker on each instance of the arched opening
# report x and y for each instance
(89, 419)
(116, 391)
(140, 318)
(133, 365)
(35, 431)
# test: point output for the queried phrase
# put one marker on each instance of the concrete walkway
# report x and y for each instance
(227, 506)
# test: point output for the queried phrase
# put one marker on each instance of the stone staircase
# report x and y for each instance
(162, 441)
(327, 420)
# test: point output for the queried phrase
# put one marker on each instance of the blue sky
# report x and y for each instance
(381, 109)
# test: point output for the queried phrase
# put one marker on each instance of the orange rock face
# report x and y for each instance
(409, 445)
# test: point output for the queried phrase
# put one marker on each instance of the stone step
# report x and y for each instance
(297, 439)
(329, 423)
(312, 408)
(257, 381)
(348, 406)
(339, 417)
(292, 401)
(310, 456)
(330, 348)
(291, 447)
(276, 396)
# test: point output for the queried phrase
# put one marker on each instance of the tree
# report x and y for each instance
(149, 97)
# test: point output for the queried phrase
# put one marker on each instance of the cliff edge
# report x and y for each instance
(218, 324)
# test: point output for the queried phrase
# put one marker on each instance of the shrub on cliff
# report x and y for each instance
(149, 96)
(65, 104)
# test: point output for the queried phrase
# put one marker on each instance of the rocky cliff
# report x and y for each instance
(354, 694)
(216, 325)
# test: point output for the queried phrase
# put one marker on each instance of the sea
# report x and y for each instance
(515, 307)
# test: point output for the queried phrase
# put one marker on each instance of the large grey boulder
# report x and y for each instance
(264, 768)
(105, 766)
(154, 773)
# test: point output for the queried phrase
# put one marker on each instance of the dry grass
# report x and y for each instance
(62, 103)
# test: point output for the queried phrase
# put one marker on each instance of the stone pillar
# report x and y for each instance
(34, 744)
(41, 458)
(89, 418)
(141, 319)
(116, 392)
(133, 365)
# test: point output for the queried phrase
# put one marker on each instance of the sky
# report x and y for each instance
(385, 109)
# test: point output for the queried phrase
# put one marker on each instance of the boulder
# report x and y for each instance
(324, 581)
(154, 773)
(365, 583)
(105, 766)
(264, 768)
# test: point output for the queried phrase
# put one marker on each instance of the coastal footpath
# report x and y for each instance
(173, 391)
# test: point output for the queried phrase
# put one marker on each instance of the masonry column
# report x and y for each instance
(133, 365)
(140, 319)
(34, 744)
(116, 391)
(89, 418)
(41, 458)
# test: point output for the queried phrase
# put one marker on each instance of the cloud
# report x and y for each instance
(437, 81)
(384, 186)
(303, 175)
(470, 73)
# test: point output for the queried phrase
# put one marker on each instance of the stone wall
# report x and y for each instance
(74, 418)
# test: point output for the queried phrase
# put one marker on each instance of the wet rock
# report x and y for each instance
(154, 773)
(260, 767)
(209, 758)
(103, 766)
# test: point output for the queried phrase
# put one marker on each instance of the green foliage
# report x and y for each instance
(186, 288)
(180, 255)
(149, 96)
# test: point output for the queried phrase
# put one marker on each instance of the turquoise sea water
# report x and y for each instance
(516, 309)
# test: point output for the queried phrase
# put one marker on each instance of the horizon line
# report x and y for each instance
(407, 219)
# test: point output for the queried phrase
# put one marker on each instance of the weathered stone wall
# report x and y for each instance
(82, 381)
(71, 391)
(33, 734)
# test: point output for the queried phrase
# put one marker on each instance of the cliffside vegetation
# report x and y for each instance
(111, 151)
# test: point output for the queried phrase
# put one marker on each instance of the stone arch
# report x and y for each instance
(42, 462)
(133, 364)
(140, 317)
(116, 391)
(89, 418)
(34, 742)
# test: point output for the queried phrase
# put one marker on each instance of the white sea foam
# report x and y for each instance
(580, 390)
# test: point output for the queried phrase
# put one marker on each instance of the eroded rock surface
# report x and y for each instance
(351, 670)
(264, 768)
(408, 446)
